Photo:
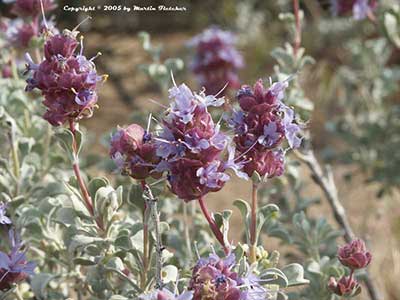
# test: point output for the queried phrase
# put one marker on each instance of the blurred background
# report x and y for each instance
(353, 87)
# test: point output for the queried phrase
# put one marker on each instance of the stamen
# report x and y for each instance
(247, 151)
(159, 104)
(81, 43)
(43, 15)
(225, 86)
(173, 79)
(149, 122)
(104, 77)
(84, 20)
(96, 56)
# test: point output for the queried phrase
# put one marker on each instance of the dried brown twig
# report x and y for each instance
(325, 180)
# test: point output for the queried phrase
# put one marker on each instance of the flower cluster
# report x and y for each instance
(260, 127)
(191, 145)
(20, 31)
(14, 267)
(359, 8)
(133, 151)
(32, 8)
(353, 255)
(215, 278)
(216, 62)
(67, 80)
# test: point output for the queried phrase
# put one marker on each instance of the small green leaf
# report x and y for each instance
(39, 284)
(244, 209)
(83, 261)
(295, 274)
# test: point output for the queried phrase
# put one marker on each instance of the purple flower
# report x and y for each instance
(254, 291)
(13, 266)
(68, 81)
(165, 294)
(211, 176)
(292, 130)
(32, 8)
(271, 135)
(3, 218)
(195, 143)
(359, 8)
(214, 278)
(216, 61)
(261, 125)
(191, 145)
(183, 106)
(235, 166)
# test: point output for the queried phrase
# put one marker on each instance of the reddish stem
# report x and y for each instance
(217, 232)
(75, 165)
(297, 39)
(253, 225)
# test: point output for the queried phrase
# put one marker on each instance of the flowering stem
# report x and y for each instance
(217, 232)
(145, 240)
(187, 233)
(75, 165)
(14, 152)
(151, 202)
(351, 274)
(297, 39)
(253, 224)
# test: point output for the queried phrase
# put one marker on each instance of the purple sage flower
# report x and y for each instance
(165, 294)
(359, 8)
(261, 126)
(354, 255)
(216, 60)
(191, 146)
(346, 286)
(14, 266)
(3, 218)
(67, 80)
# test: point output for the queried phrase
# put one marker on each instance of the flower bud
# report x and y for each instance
(359, 8)
(31, 8)
(134, 152)
(354, 255)
(216, 61)
(346, 286)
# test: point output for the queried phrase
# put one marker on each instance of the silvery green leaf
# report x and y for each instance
(392, 27)
(244, 209)
(97, 183)
(118, 297)
(136, 197)
(84, 261)
(274, 276)
(39, 283)
(115, 263)
(295, 274)
(81, 241)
